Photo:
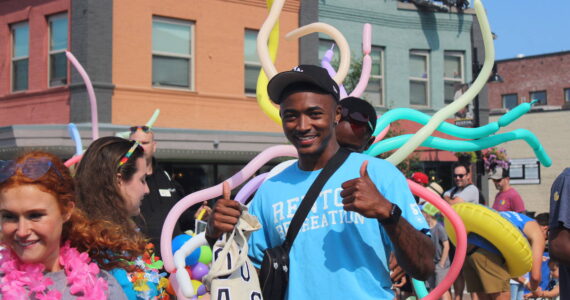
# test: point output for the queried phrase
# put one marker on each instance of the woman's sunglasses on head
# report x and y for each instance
(32, 168)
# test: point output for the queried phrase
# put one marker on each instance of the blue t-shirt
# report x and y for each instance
(337, 254)
(517, 219)
(560, 217)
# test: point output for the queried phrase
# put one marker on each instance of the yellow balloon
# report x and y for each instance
(261, 89)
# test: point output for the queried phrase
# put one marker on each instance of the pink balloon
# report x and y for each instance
(176, 288)
(255, 164)
(367, 38)
(460, 233)
(364, 76)
(250, 187)
(90, 92)
(382, 134)
(73, 160)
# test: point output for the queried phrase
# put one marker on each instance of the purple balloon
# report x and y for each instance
(201, 290)
(199, 270)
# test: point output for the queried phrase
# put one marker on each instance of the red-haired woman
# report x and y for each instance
(42, 233)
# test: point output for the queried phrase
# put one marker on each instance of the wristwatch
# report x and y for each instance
(395, 213)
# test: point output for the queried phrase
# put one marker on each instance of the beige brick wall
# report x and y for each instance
(553, 131)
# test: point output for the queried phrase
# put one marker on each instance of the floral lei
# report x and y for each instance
(20, 280)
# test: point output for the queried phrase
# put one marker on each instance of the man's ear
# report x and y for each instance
(338, 113)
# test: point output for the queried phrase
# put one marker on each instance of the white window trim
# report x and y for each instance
(424, 53)
(18, 58)
(381, 76)
(503, 100)
(190, 56)
(566, 94)
(250, 63)
(461, 80)
(52, 52)
(524, 162)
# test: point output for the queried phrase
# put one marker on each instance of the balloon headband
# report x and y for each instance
(32, 168)
(127, 155)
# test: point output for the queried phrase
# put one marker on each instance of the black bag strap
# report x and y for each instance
(301, 214)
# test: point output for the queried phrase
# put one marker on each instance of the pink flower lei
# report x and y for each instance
(21, 280)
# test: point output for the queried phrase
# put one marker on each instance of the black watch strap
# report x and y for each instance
(395, 213)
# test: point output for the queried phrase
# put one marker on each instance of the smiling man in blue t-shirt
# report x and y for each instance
(342, 248)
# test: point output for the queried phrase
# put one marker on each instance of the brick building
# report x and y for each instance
(547, 79)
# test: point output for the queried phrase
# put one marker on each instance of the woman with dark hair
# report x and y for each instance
(43, 235)
(111, 183)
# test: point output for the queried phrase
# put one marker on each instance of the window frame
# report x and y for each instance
(190, 56)
(14, 58)
(380, 77)
(524, 163)
(456, 81)
(411, 79)
(503, 100)
(539, 103)
(566, 95)
(250, 63)
(54, 52)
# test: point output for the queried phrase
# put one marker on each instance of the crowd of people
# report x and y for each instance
(91, 235)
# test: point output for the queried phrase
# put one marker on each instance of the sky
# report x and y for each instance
(529, 27)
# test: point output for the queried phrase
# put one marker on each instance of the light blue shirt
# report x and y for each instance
(337, 254)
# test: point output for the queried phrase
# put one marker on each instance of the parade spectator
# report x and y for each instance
(111, 179)
(44, 251)
(507, 199)
(441, 243)
(464, 190)
(163, 192)
(559, 229)
(485, 269)
(345, 254)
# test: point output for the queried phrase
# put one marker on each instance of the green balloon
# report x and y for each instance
(205, 255)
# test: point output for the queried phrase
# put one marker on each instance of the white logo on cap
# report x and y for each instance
(297, 69)
(334, 89)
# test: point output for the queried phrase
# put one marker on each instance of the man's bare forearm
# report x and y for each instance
(414, 250)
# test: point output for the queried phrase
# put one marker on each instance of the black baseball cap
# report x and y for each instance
(354, 104)
(303, 74)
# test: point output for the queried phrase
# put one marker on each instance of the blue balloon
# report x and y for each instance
(178, 242)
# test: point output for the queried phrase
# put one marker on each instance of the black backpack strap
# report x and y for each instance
(301, 214)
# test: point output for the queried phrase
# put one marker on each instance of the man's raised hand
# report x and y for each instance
(361, 195)
(225, 214)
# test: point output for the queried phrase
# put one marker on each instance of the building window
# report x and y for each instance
(524, 171)
(540, 96)
(251, 61)
(452, 74)
(20, 55)
(57, 46)
(419, 78)
(374, 92)
(510, 101)
(172, 53)
(567, 94)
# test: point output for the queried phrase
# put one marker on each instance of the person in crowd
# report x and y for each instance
(43, 241)
(485, 269)
(507, 199)
(345, 254)
(552, 291)
(464, 189)
(111, 180)
(559, 229)
(441, 243)
(163, 193)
